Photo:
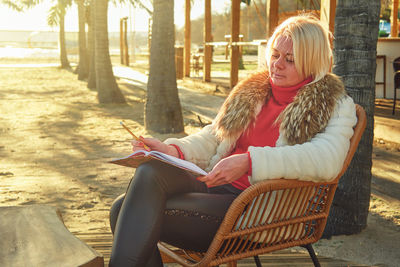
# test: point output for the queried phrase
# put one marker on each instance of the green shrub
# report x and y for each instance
(383, 34)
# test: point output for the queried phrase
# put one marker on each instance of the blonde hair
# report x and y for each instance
(311, 45)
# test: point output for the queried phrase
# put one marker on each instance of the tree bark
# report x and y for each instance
(63, 48)
(91, 84)
(356, 35)
(107, 88)
(83, 65)
(163, 112)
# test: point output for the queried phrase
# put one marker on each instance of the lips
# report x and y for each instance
(277, 76)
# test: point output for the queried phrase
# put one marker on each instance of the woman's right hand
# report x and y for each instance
(154, 144)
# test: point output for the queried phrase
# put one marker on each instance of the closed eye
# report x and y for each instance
(289, 58)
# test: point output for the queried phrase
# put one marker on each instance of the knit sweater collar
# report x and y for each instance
(285, 95)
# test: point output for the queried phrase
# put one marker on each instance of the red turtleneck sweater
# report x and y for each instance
(265, 132)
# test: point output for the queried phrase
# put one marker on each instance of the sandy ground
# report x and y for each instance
(56, 140)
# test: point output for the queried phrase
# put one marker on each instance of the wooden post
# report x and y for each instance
(187, 48)
(272, 7)
(133, 41)
(240, 47)
(121, 40)
(328, 10)
(126, 47)
(207, 38)
(227, 39)
(179, 62)
(394, 27)
(235, 22)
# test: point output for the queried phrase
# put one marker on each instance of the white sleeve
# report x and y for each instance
(197, 148)
(319, 159)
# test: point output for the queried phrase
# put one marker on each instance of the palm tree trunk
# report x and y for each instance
(92, 70)
(356, 35)
(83, 66)
(163, 112)
(63, 49)
(107, 88)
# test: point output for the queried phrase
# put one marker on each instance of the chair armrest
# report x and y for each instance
(247, 196)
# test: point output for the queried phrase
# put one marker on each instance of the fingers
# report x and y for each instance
(207, 177)
(214, 178)
(153, 144)
(137, 145)
(149, 144)
(216, 182)
(145, 143)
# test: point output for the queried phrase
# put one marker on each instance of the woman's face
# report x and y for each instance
(282, 68)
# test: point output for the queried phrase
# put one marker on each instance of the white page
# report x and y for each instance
(180, 162)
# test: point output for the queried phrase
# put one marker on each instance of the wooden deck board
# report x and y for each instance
(101, 242)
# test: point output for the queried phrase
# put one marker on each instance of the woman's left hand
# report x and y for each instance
(227, 170)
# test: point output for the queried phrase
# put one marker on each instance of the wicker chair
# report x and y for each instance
(269, 216)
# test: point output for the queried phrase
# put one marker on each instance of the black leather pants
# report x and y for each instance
(168, 204)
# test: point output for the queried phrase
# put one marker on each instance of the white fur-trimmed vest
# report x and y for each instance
(301, 120)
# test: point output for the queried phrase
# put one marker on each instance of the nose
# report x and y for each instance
(279, 63)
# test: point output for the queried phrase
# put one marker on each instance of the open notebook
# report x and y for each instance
(140, 156)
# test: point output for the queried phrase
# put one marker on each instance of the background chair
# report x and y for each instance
(396, 68)
(269, 216)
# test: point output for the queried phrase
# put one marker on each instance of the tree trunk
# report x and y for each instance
(92, 70)
(356, 35)
(63, 48)
(83, 66)
(163, 112)
(107, 88)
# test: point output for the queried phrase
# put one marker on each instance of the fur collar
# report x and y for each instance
(301, 120)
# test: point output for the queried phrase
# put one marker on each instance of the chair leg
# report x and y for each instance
(312, 255)
(257, 261)
(232, 264)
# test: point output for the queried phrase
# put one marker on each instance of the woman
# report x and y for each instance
(292, 121)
